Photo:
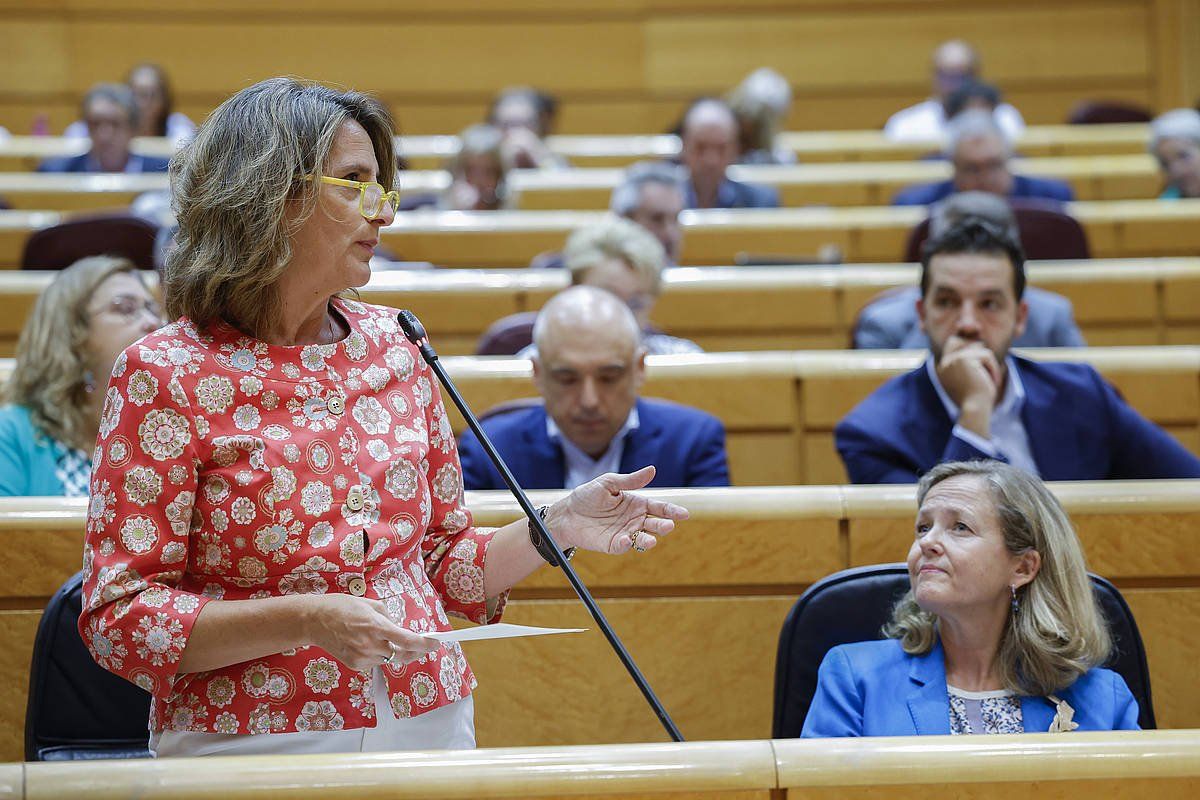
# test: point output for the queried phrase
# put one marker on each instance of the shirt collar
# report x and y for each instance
(631, 423)
(1014, 390)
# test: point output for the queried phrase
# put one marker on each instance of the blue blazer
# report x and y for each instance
(686, 446)
(79, 163)
(733, 194)
(891, 322)
(1078, 429)
(1023, 186)
(876, 689)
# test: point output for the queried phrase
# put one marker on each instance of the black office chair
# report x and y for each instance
(853, 605)
(77, 710)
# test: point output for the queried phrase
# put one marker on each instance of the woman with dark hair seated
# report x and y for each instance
(1000, 633)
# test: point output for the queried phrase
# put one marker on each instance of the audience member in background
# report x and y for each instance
(761, 103)
(980, 153)
(972, 96)
(111, 116)
(892, 321)
(709, 144)
(1175, 142)
(477, 172)
(625, 259)
(588, 370)
(88, 314)
(525, 116)
(954, 63)
(999, 633)
(652, 194)
(156, 117)
(973, 399)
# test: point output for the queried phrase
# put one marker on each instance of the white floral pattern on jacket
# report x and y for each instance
(223, 470)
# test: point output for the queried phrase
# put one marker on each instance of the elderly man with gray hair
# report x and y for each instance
(589, 370)
(980, 153)
(1175, 142)
(891, 320)
(652, 193)
(111, 115)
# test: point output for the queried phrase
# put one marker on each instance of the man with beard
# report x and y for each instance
(972, 399)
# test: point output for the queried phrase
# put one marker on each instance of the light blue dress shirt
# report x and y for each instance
(581, 467)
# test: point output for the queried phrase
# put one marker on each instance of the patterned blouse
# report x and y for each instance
(984, 712)
(228, 468)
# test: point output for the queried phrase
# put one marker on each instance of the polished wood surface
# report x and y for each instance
(1116, 229)
(617, 66)
(701, 614)
(1074, 765)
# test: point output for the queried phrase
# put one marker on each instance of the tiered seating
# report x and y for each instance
(702, 613)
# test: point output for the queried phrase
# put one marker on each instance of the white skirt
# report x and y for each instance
(450, 727)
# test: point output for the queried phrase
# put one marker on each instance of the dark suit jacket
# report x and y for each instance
(1078, 429)
(732, 194)
(79, 163)
(1023, 186)
(891, 322)
(686, 446)
(876, 689)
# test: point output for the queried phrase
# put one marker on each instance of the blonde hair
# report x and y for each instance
(230, 186)
(50, 374)
(615, 237)
(761, 101)
(1058, 634)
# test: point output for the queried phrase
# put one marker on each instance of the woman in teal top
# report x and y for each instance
(1175, 142)
(88, 314)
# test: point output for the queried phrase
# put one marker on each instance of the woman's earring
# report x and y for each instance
(1016, 605)
(89, 382)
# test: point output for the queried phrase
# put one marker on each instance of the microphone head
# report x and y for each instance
(412, 327)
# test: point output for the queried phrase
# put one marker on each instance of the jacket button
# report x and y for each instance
(357, 587)
(355, 500)
(336, 405)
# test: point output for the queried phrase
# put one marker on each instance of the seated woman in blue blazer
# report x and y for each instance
(1000, 633)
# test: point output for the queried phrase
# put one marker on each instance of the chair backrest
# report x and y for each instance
(508, 335)
(77, 709)
(60, 246)
(1046, 232)
(1103, 112)
(853, 605)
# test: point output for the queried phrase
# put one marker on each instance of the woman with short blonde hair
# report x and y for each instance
(1000, 633)
(616, 238)
(88, 314)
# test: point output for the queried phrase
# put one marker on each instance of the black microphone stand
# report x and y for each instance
(415, 332)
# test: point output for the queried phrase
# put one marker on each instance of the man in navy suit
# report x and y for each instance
(588, 369)
(971, 399)
(111, 115)
(708, 146)
(980, 153)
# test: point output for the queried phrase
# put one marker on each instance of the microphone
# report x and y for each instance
(415, 332)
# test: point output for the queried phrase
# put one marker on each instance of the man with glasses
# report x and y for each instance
(111, 115)
(980, 153)
(954, 63)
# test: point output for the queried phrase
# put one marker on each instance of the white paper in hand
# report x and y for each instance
(501, 630)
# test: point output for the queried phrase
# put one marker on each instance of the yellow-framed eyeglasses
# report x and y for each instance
(371, 195)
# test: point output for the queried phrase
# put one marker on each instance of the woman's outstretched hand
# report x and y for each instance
(608, 516)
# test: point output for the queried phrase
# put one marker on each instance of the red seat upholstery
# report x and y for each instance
(1099, 112)
(1046, 233)
(60, 246)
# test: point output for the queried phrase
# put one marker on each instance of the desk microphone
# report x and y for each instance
(415, 332)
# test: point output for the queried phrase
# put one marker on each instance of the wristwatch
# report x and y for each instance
(541, 545)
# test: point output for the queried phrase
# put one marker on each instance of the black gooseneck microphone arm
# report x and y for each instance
(415, 332)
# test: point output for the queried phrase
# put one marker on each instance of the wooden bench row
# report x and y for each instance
(489, 239)
(852, 184)
(780, 408)
(1073, 767)
(1116, 302)
(701, 614)
(24, 153)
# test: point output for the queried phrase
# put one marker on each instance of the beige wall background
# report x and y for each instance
(618, 66)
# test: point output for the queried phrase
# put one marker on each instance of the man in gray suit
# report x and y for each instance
(891, 322)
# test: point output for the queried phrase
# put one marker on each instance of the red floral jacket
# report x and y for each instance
(227, 468)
